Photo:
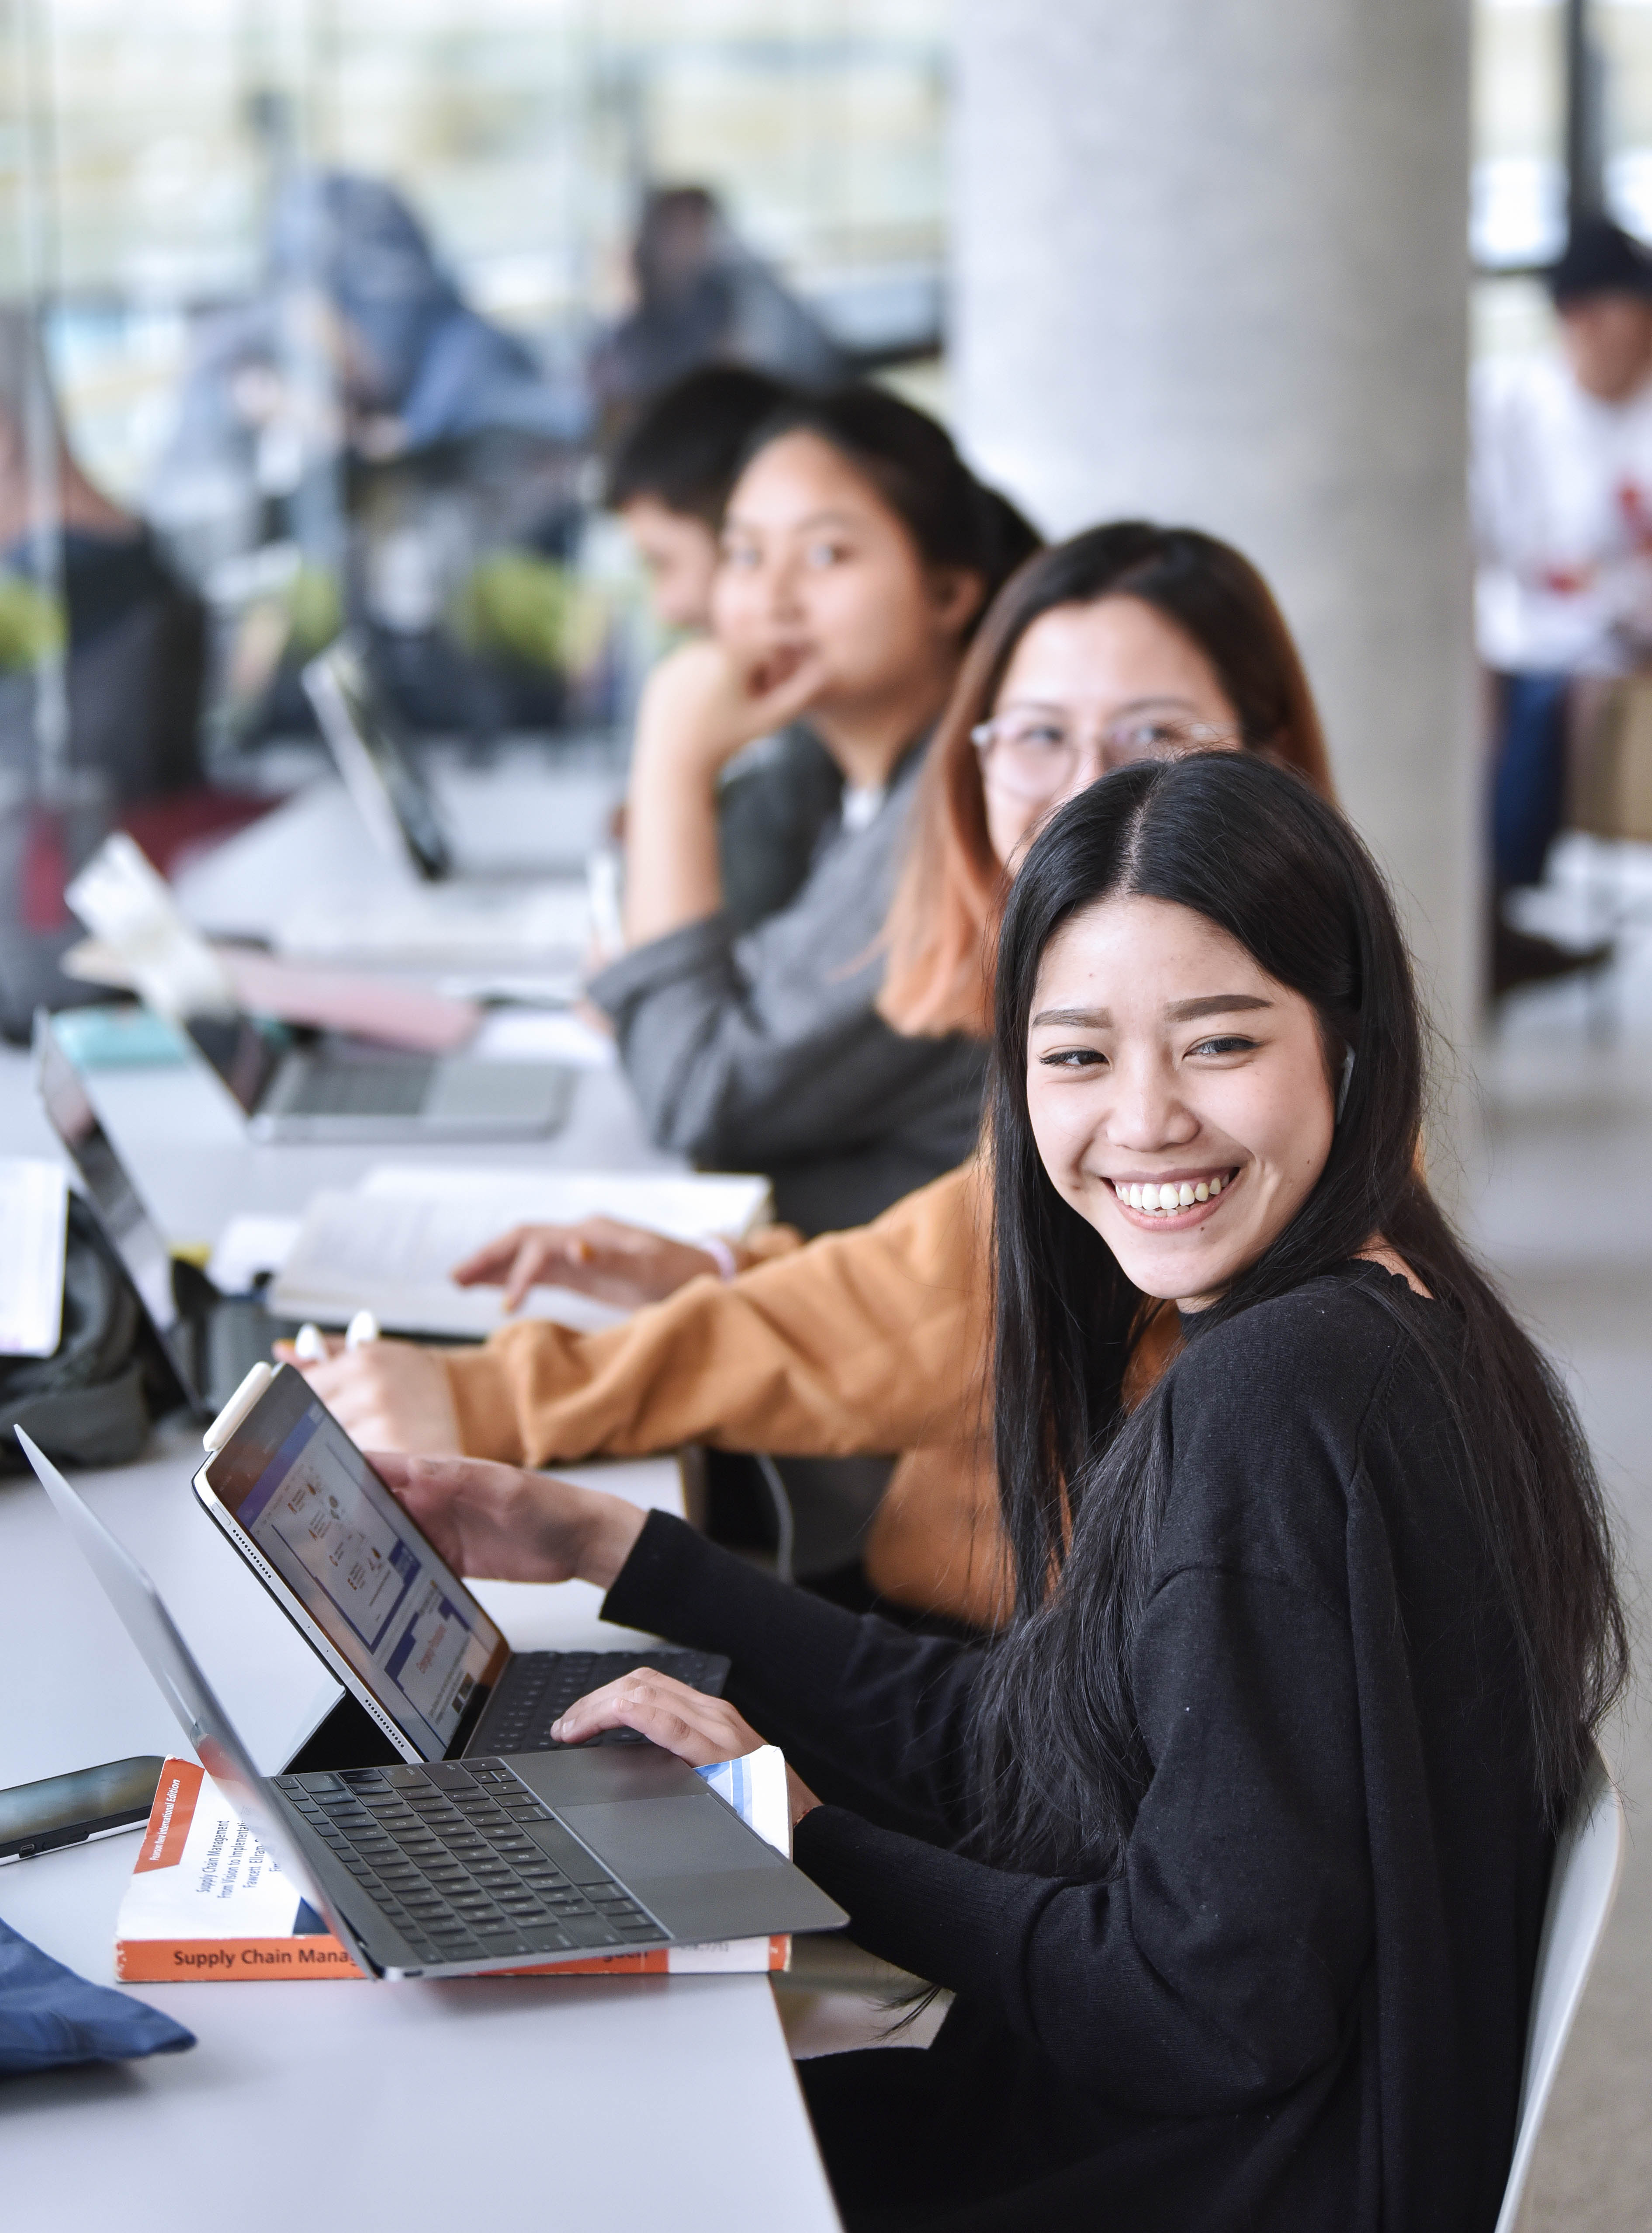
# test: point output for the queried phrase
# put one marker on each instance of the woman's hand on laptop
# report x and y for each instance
(508, 1525)
(626, 1265)
(386, 1395)
(698, 1729)
(673, 1715)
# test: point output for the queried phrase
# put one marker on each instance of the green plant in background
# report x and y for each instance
(31, 624)
(516, 604)
(314, 609)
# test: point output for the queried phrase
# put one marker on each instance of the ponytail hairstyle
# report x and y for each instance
(1060, 1765)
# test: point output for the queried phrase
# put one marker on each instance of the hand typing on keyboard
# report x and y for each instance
(698, 1729)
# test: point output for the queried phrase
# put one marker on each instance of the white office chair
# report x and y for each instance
(1588, 1861)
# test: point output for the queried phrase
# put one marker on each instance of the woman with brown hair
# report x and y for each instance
(1128, 603)
(1131, 642)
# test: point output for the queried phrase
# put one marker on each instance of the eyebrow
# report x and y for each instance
(1180, 1011)
(1128, 705)
(798, 527)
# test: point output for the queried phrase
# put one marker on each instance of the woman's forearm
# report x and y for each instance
(672, 874)
(699, 708)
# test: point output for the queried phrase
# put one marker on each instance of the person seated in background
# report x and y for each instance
(357, 340)
(415, 461)
(136, 638)
(1563, 519)
(1233, 1849)
(669, 477)
(668, 481)
(1130, 641)
(702, 297)
(859, 554)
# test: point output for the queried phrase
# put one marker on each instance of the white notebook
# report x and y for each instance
(390, 1246)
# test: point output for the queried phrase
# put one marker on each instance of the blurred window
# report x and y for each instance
(298, 421)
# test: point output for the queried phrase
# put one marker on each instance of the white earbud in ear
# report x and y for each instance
(1347, 1080)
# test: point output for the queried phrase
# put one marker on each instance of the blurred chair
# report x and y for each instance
(102, 668)
(136, 638)
(1610, 789)
(1588, 1860)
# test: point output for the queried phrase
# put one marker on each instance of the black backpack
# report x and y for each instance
(88, 1402)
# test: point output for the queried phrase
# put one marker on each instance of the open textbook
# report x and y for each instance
(390, 1246)
(207, 1904)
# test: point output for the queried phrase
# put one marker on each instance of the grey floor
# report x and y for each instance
(1558, 1193)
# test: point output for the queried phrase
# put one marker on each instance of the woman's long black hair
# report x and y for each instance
(1060, 1763)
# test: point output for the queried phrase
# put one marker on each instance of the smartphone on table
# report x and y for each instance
(71, 1810)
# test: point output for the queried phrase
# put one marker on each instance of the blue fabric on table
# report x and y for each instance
(49, 2015)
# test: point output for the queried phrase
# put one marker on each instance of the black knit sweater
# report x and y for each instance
(1301, 2002)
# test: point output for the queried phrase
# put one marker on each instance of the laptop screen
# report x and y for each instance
(245, 1053)
(378, 764)
(304, 1496)
(142, 1251)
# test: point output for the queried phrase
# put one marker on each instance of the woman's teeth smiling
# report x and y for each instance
(1165, 1200)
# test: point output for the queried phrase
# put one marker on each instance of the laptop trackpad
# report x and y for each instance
(683, 1837)
(513, 1092)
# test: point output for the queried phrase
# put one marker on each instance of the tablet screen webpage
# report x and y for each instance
(322, 1518)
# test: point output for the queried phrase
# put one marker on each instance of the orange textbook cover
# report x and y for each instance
(207, 1903)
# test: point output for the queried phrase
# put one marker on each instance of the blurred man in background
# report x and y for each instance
(669, 480)
(1563, 514)
(669, 477)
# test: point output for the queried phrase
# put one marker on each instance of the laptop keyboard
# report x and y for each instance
(468, 1864)
(333, 1087)
(540, 1686)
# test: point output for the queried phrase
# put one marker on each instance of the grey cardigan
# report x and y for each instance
(763, 1052)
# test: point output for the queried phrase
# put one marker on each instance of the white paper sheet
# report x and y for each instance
(391, 1246)
(34, 1222)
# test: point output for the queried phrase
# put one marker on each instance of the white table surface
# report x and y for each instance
(517, 820)
(593, 2103)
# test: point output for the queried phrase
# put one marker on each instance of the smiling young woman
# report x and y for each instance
(1233, 1848)
(1187, 1130)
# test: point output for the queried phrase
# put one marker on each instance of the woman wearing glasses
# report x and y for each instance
(1130, 641)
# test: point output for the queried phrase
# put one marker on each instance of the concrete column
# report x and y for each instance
(1211, 267)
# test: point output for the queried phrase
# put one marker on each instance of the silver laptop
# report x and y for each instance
(339, 1090)
(538, 921)
(210, 1340)
(456, 1867)
(349, 1093)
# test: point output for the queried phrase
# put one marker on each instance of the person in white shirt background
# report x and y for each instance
(1563, 517)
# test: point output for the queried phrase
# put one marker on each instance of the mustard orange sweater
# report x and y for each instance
(873, 1340)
